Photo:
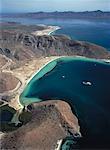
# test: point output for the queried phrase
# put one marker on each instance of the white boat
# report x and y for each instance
(87, 83)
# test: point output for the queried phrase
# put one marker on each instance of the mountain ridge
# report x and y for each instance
(64, 14)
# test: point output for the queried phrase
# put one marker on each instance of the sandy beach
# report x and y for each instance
(49, 30)
(24, 74)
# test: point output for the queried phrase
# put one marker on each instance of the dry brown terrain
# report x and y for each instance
(48, 125)
(3, 61)
(8, 82)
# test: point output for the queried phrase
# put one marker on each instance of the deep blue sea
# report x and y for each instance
(95, 30)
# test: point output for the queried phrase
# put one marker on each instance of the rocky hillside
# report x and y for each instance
(50, 121)
(24, 46)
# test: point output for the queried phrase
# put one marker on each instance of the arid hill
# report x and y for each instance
(51, 121)
(22, 46)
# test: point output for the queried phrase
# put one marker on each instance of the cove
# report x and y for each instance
(65, 78)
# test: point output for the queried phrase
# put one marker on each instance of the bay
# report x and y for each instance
(67, 79)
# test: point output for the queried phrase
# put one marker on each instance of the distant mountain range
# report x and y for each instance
(66, 14)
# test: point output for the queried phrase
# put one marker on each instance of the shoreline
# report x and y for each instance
(48, 31)
(42, 62)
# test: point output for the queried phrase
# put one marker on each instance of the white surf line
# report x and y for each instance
(56, 28)
(106, 60)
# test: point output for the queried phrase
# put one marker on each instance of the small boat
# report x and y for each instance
(87, 83)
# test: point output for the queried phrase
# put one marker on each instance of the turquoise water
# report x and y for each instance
(63, 79)
(95, 30)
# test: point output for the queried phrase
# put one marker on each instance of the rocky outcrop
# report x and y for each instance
(50, 122)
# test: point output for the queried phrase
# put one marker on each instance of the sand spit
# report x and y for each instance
(49, 30)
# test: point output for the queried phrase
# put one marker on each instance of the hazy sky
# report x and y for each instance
(53, 5)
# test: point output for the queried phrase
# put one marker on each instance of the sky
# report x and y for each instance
(10, 6)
